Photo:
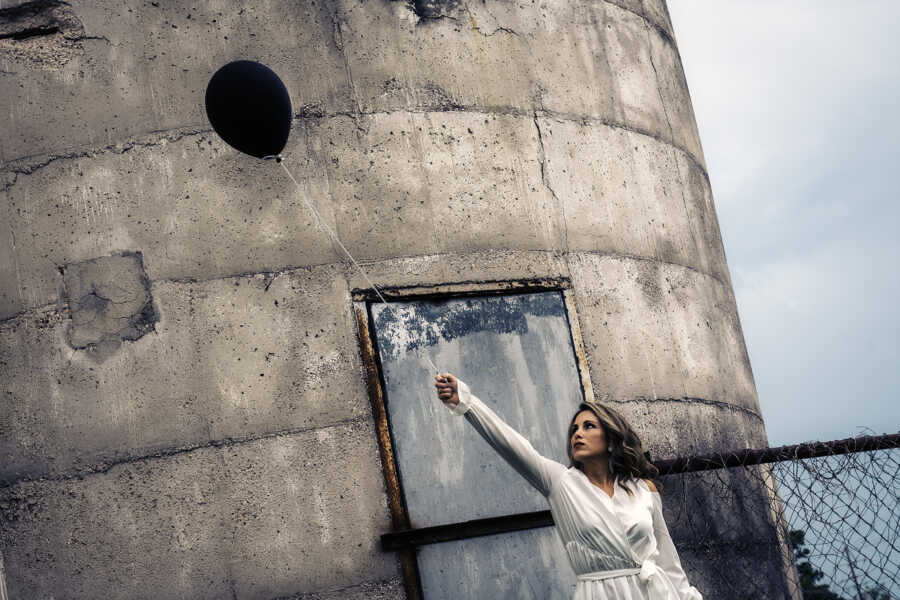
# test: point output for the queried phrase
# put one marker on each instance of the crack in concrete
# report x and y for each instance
(421, 9)
(672, 131)
(15, 255)
(338, 35)
(662, 101)
(542, 158)
(81, 38)
(27, 165)
(226, 442)
(503, 29)
(476, 27)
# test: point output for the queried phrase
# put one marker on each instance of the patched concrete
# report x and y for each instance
(229, 359)
(108, 302)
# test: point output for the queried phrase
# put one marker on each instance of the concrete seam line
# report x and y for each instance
(291, 269)
(22, 166)
(516, 112)
(650, 259)
(296, 268)
(353, 587)
(693, 400)
(105, 467)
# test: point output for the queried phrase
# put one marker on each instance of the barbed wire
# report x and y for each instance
(810, 521)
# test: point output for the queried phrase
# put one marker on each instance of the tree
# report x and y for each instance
(877, 593)
(809, 575)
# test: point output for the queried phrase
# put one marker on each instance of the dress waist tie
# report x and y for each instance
(601, 575)
(648, 573)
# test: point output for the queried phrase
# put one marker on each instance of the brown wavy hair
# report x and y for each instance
(627, 459)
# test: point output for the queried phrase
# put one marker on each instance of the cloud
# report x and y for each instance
(797, 109)
(821, 331)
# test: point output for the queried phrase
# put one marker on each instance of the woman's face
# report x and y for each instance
(588, 439)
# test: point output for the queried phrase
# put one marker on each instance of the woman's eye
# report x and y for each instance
(586, 425)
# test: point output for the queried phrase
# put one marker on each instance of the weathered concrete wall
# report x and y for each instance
(183, 411)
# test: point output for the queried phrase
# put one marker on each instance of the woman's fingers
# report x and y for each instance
(446, 386)
(446, 380)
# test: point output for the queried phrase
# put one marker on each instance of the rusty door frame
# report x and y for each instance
(399, 539)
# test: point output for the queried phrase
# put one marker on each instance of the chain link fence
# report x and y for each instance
(816, 521)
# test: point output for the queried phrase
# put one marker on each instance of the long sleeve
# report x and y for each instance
(515, 449)
(668, 559)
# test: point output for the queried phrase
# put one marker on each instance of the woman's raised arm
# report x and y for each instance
(539, 471)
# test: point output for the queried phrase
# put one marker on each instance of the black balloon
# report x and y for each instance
(248, 105)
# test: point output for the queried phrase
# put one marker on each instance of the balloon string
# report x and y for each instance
(334, 236)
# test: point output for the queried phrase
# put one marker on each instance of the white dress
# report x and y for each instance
(619, 546)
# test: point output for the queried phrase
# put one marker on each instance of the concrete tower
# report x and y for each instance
(185, 409)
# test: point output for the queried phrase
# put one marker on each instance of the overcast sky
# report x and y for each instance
(797, 104)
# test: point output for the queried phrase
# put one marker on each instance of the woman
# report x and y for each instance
(606, 506)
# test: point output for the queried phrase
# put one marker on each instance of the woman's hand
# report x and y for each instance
(447, 389)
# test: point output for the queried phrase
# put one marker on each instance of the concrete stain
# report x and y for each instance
(648, 279)
(409, 326)
(435, 9)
